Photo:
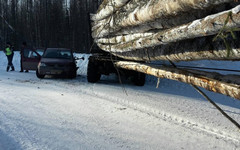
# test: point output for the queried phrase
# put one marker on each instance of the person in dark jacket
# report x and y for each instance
(9, 53)
(24, 45)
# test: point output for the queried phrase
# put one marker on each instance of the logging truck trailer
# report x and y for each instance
(102, 63)
(128, 32)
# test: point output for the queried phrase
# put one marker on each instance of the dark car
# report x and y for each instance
(57, 61)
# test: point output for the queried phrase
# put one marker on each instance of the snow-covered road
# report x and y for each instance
(73, 114)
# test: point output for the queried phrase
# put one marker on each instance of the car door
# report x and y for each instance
(30, 59)
(40, 51)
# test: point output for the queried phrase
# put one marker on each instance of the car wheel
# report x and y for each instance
(40, 76)
(139, 78)
(93, 75)
(72, 75)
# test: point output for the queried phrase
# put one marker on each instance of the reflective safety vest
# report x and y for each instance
(8, 51)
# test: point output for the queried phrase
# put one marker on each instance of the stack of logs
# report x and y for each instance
(175, 30)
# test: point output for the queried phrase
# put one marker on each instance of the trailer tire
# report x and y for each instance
(139, 79)
(93, 75)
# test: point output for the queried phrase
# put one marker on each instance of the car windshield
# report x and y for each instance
(62, 54)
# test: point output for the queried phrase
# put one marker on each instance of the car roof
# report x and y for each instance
(54, 49)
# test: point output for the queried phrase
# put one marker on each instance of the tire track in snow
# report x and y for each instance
(178, 120)
(190, 124)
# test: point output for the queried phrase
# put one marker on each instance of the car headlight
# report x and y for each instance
(42, 64)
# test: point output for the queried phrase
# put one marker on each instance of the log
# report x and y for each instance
(166, 23)
(152, 10)
(107, 8)
(187, 50)
(155, 9)
(123, 39)
(209, 25)
(224, 84)
(110, 21)
(161, 24)
(124, 5)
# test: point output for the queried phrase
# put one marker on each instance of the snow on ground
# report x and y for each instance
(73, 114)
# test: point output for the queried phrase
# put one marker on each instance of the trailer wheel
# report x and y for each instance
(139, 78)
(93, 75)
(40, 76)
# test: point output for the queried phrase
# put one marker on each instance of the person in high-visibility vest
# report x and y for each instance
(9, 53)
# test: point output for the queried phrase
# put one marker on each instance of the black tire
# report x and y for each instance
(139, 78)
(72, 75)
(40, 76)
(93, 75)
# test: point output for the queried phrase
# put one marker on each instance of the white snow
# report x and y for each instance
(75, 115)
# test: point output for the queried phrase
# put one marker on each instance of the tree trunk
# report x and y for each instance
(224, 84)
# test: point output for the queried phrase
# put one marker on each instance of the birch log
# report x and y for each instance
(224, 84)
(209, 25)
(161, 24)
(123, 39)
(155, 9)
(187, 50)
(107, 8)
(152, 10)
(169, 22)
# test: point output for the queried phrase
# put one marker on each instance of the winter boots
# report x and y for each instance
(8, 68)
(12, 68)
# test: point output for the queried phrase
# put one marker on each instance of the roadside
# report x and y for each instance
(73, 114)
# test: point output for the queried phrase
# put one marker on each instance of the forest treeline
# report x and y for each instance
(47, 23)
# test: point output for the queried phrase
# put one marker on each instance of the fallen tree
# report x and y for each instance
(224, 84)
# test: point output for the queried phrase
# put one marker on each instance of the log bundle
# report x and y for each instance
(175, 30)
(129, 28)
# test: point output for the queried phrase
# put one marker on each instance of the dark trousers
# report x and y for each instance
(21, 65)
(10, 58)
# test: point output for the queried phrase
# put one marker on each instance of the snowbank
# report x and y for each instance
(82, 64)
